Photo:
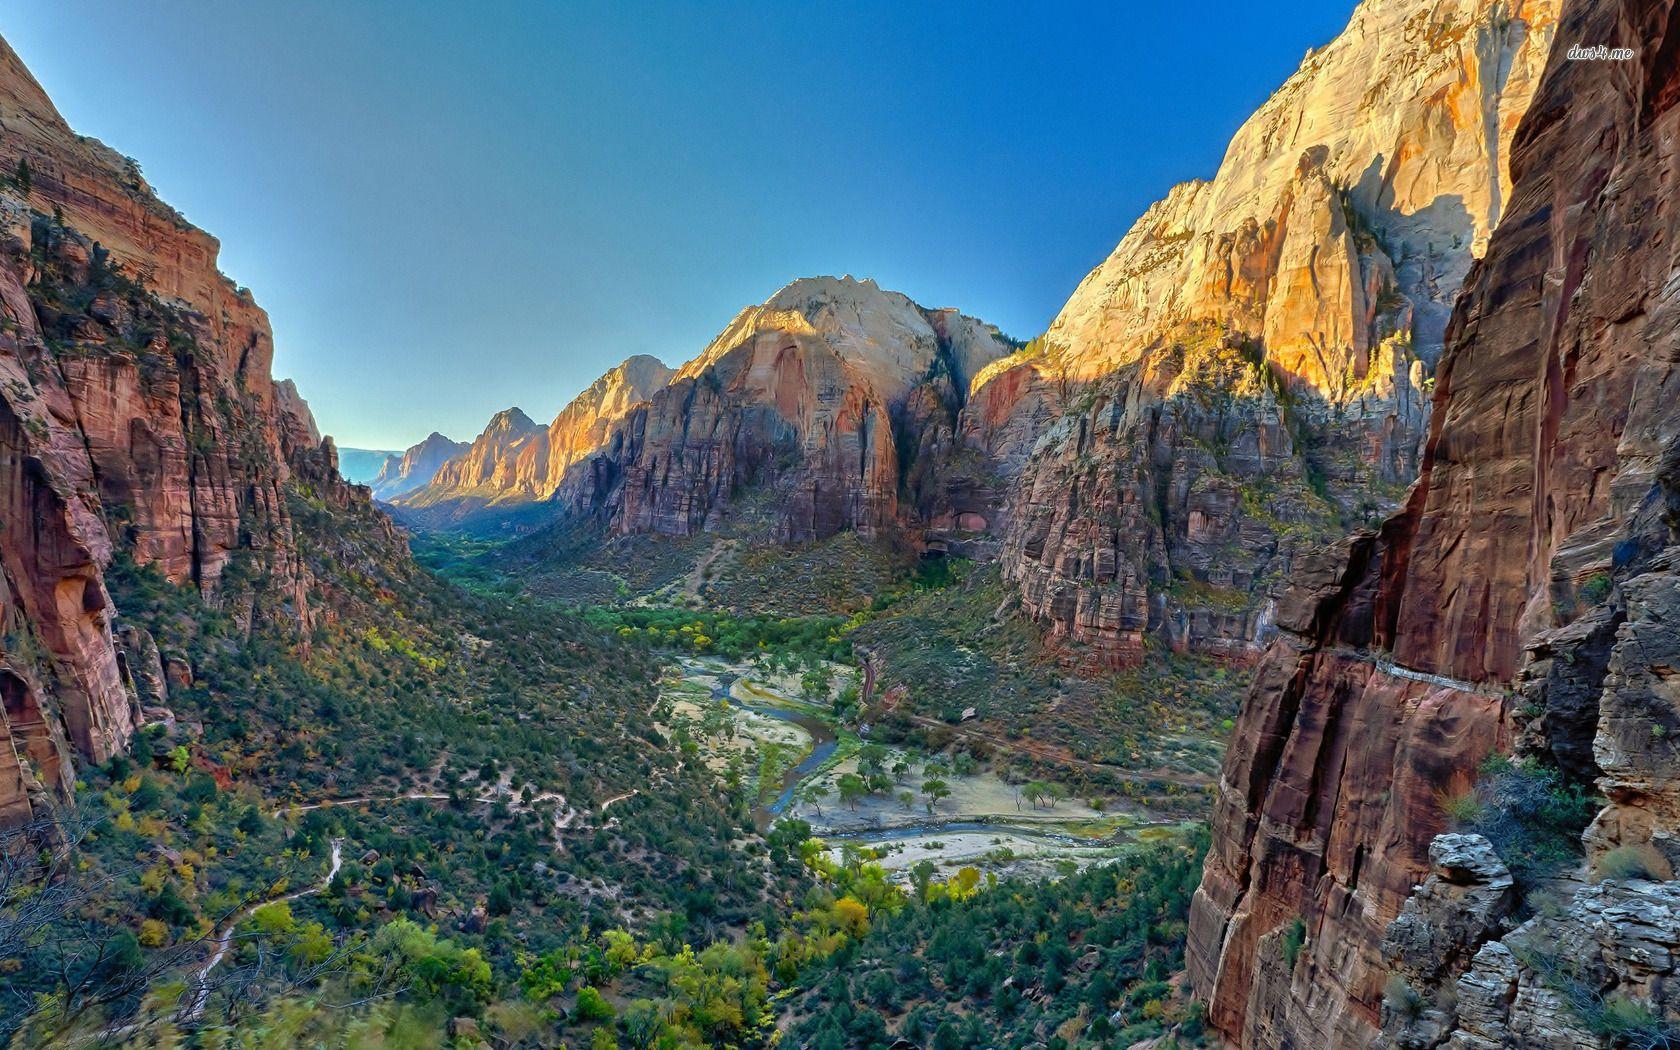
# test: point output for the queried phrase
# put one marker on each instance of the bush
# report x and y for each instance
(1596, 588)
(1530, 815)
(1402, 999)
(1628, 1022)
(1632, 862)
(1293, 938)
(592, 1006)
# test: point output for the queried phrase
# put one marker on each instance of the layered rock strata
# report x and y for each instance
(137, 417)
(1448, 633)
(1248, 372)
(416, 466)
(514, 461)
(838, 402)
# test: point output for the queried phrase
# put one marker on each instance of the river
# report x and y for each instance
(823, 743)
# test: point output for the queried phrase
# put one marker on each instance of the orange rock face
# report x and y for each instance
(415, 468)
(1245, 376)
(137, 413)
(514, 462)
(1547, 459)
(826, 396)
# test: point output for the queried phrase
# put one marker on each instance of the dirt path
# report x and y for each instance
(564, 816)
(695, 581)
(223, 938)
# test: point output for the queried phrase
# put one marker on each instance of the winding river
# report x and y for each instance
(823, 743)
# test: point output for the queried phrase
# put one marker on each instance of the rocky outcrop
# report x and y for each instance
(416, 466)
(1548, 478)
(138, 419)
(837, 401)
(1248, 372)
(1444, 923)
(515, 462)
(1593, 964)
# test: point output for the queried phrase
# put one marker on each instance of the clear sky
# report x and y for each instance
(450, 208)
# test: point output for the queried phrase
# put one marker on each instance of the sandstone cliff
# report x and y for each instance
(515, 462)
(1247, 373)
(836, 399)
(138, 419)
(416, 466)
(1526, 588)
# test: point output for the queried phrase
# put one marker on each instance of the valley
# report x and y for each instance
(1276, 650)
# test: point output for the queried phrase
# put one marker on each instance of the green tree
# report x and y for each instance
(593, 1006)
(852, 787)
(934, 790)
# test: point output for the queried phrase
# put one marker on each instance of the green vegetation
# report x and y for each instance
(1085, 960)
(1531, 816)
(1614, 1016)
(525, 718)
(940, 651)
(1293, 938)
(704, 631)
(1633, 862)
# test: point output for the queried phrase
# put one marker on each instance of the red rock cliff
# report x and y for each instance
(835, 398)
(137, 414)
(1552, 432)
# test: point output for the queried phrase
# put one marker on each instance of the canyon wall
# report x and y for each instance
(835, 404)
(1518, 599)
(834, 401)
(138, 418)
(415, 467)
(515, 462)
(1247, 374)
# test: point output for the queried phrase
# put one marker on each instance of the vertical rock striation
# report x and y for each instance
(137, 415)
(415, 467)
(1248, 371)
(1479, 612)
(836, 402)
(515, 462)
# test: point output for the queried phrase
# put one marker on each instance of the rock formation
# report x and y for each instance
(1522, 597)
(836, 400)
(516, 462)
(1247, 373)
(415, 467)
(137, 417)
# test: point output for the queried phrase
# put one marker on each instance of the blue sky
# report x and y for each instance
(452, 208)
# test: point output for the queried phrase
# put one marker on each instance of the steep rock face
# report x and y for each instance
(295, 416)
(137, 414)
(489, 466)
(516, 462)
(834, 396)
(416, 466)
(1247, 371)
(1548, 476)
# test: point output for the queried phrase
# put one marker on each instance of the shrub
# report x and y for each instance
(1402, 999)
(1632, 862)
(1628, 1022)
(593, 1006)
(153, 934)
(1293, 938)
(1595, 589)
(1533, 818)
